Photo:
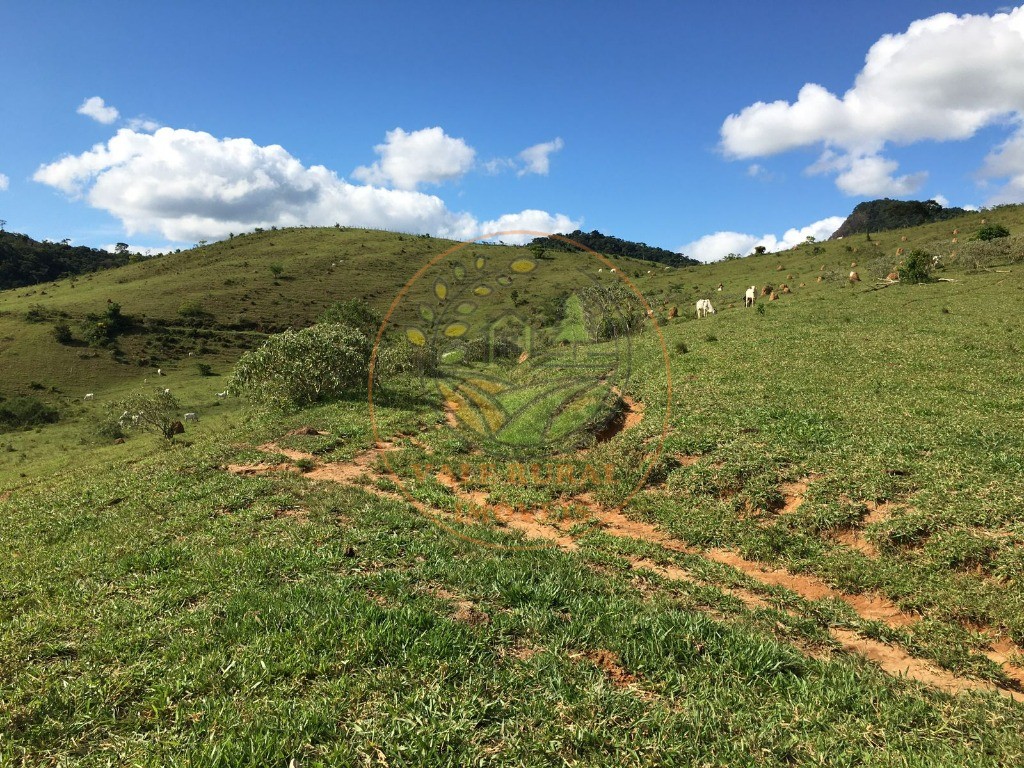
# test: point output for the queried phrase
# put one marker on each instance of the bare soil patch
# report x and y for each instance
(463, 610)
(854, 539)
(261, 469)
(608, 662)
(871, 607)
(793, 495)
(898, 663)
(306, 431)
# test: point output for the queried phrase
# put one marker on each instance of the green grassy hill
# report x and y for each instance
(824, 566)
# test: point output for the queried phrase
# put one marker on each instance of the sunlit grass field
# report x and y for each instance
(159, 608)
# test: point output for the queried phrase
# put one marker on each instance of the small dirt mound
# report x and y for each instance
(608, 662)
(261, 469)
(306, 431)
(793, 495)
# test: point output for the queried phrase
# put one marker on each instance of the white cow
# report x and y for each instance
(704, 308)
(751, 296)
(223, 394)
(160, 372)
(167, 391)
(89, 396)
(191, 417)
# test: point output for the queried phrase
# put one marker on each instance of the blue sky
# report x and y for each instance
(416, 116)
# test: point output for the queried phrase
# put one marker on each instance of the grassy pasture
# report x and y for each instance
(159, 609)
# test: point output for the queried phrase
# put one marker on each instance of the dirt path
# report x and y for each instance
(537, 528)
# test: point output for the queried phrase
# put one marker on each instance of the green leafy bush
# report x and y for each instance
(99, 329)
(355, 313)
(916, 267)
(992, 232)
(298, 368)
(62, 333)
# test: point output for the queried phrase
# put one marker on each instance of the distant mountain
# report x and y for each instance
(24, 261)
(880, 215)
(615, 246)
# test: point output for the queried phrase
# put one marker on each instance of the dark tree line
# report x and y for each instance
(614, 246)
(24, 261)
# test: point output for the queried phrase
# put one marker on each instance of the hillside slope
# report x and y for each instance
(824, 567)
(207, 305)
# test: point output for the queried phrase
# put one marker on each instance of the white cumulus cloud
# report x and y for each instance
(720, 244)
(4, 183)
(411, 158)
(98, 110)
(143, 124)
(537, 159)
(189, 185)
(1006, 162)
(943, 79)
(870, 174)
(533, 223)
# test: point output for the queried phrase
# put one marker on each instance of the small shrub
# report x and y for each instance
(62, 333)
(681, 347)
(710, 337)
(355, 313)
(760, 309)
(204, 369)
(406, 357)
(916, 267)
(100, 329)
(276, 269)
(37, 313)
(992, 232)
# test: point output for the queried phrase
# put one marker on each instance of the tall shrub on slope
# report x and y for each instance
(298, 368)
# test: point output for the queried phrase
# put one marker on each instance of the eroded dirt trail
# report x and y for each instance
(537, 528)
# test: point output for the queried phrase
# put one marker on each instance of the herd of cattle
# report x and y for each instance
(704, 307)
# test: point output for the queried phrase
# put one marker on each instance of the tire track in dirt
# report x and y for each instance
(873, 607)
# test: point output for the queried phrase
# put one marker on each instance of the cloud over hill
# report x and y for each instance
(189, 185)
(944, 79)
(720, 244)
